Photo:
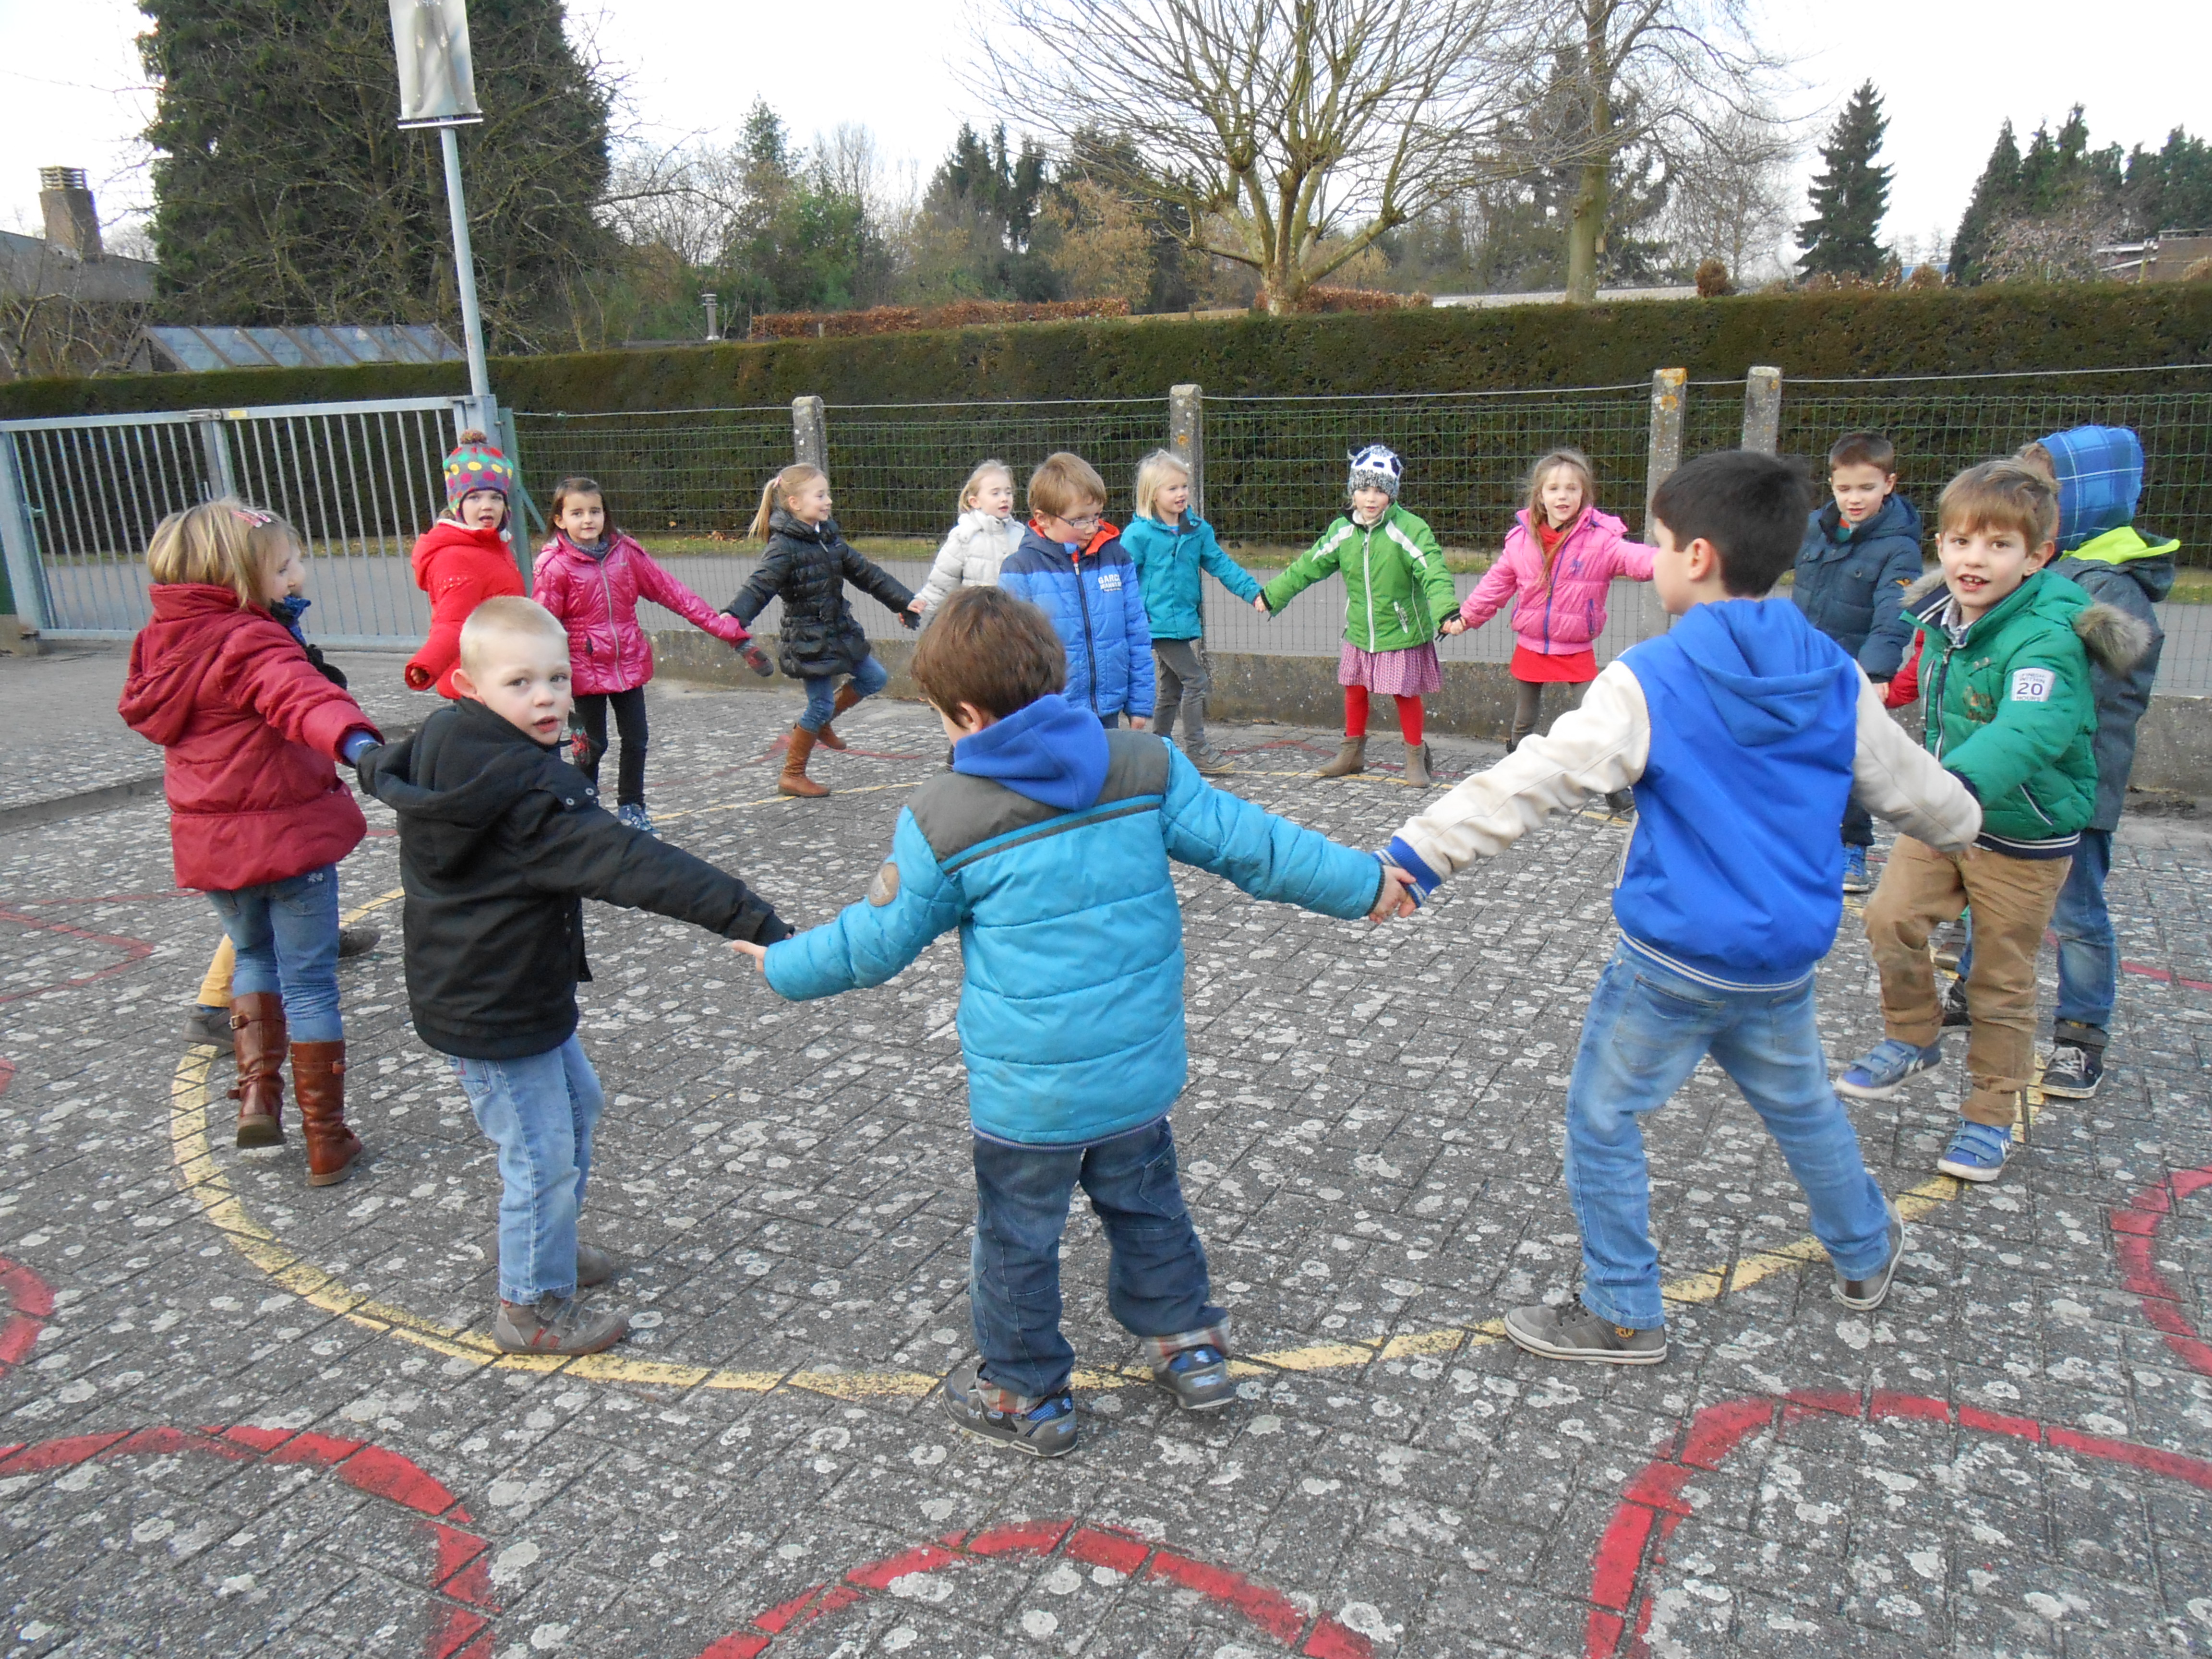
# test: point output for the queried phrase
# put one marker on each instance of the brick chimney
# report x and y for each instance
(72, 223)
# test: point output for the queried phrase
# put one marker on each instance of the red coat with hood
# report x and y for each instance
(251, 729)
(460, 569)
(596, 600)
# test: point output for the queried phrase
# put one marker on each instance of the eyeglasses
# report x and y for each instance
(1088, 521)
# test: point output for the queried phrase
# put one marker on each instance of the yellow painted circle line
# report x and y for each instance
(203, 1180)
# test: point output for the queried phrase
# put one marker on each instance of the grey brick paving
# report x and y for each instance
(1371, 1140)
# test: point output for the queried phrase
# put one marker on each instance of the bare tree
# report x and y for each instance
(1290, 133)
(2057, 246)
(1676, 70)
(1731, 196)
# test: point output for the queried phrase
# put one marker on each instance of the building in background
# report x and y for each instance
(67, 305)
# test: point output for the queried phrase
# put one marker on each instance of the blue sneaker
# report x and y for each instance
(1878, 1074)
(1977, 1151)
(1043, 1427)
(1855, 879)
(634, 817)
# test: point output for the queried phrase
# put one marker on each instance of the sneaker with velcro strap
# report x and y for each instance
(1880, 1071)
(1042, 1427)
(1193, 1367)
(1976, 1152)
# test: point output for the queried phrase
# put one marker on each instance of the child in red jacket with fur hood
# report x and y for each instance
(466, 558)
(259, 816)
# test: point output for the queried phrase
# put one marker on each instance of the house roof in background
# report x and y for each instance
(194, 348)
(34, 266)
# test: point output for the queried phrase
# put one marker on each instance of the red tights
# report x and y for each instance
(1355, 714)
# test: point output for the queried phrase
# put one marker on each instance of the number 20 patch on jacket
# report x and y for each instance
(2033, 684)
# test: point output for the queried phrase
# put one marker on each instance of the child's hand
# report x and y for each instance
(418, 679)
(1141, 723)
(1394, 900)
(1454, 625)
(757, 952)
(1259, 603)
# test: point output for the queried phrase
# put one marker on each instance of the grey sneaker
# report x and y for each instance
(1865, 1295)
(1210, 761)
(593, 1265)
(557, 1324)
(357, 941)
(1575, 1333)
(1193, 1367)
(208, 1025)
(1042, 1428)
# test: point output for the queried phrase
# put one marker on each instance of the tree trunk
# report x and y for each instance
(1585, 229)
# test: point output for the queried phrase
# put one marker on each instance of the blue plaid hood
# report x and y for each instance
(2100, 477)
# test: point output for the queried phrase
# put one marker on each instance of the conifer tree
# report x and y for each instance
(1852, 194)
(284, 191)
(1996, 198)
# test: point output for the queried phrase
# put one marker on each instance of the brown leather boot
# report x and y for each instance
(1351, 757)
(847, 698)
(319, 1080)
(257, 1039)
(794, 780)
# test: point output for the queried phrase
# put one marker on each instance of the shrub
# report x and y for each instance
(898, 320)
(1713, 279)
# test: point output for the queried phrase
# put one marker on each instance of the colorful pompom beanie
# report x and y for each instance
(474, 464)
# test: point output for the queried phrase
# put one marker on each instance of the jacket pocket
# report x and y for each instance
(2036, 806)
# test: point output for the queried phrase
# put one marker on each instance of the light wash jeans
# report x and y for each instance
(540, 1112)
(1647, 1029)
(286, 934)
(2088, 950)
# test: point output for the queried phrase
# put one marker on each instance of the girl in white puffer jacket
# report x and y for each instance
(979, 543)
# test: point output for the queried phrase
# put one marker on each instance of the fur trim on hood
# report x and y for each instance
(2116, 641)
(1929, 582)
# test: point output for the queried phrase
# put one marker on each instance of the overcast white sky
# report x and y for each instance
(71, 92)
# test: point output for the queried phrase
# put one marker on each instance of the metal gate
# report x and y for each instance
(80, 497)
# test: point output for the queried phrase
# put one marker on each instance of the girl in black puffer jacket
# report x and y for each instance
(806, 565)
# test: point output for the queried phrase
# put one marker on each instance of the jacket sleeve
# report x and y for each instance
(548, 585)
(1490, 593)
(581, 849)
(1311, 566)
(909, 903)
(1268, 857)
(1904, 688)
(1591, 751)
(871, 578)
(2122, 695)
(1226, 571)
(946, 571)
(452, 597)
(1890, 630)
(1633, 559)
(1137, 626)
(1894, 778)
(273, 676)
(2029, 733)
(665, 590)
(1444, 593)
(766, 583)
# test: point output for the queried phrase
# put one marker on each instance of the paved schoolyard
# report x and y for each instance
(250, 1417)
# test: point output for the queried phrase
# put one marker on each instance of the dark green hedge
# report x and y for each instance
(1841, 334)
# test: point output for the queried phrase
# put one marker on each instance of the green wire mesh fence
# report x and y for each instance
(670, 471)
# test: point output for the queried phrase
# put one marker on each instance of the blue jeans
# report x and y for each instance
(1646, 1031)
(1156, 1281)
(869, 676)
(2088, 950)
(540, 1112)
(286, 934)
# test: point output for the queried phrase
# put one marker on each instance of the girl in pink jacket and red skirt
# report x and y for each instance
(590, 576)
(1559, 565)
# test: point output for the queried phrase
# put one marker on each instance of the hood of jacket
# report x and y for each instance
(1770, 678)
(1895, 517)
(1036, 540)
(458, 776)
(2148, 559)
(177, 650)
(444, 536)
(2100, 475)
(783, 522)
(1586, 519)
(1051, 752)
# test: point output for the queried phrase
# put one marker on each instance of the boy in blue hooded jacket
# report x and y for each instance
(1048, 845)
(1072, 565)
(1744, 732)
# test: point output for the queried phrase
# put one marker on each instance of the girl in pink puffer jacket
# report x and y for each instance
(1559, 564)
(590, 576)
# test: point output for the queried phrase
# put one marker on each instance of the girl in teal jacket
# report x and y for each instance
(1169, 548)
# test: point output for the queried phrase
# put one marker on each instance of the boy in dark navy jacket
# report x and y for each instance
(1744, 733)
(1048, 844)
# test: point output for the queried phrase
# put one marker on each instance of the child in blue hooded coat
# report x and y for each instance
(1072, 565)
(1049, 844)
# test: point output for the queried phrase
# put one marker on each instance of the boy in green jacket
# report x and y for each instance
(2005, 675)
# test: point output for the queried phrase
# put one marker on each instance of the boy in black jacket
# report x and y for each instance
(500, 840)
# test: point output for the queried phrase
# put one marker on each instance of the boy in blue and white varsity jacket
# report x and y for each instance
(1744, 732)
(1048, 845)
(1072, 565)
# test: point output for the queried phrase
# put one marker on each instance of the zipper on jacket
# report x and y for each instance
(1089, 644)
(607, 593)
(1367, 565)
(2028, 795)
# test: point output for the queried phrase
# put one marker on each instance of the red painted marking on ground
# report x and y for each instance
(456, 1632)
(30, 1305)
(1267, 1607)
(1717, 1431)
(135, 951)
(6, 1075)
(2165, 976)
(2135, 1227)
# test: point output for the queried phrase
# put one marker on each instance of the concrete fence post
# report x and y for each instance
(809, 432)
(1187, 438)
(1762, 411)
(1668, 393)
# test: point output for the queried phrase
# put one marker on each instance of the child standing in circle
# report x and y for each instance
(1558, 566)
(590, 576)
(259, 818)
(466, 558)
(1169, 548)
(978, 544)
(806, 565)
(1396, 588)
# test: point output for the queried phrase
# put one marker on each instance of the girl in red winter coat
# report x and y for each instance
(257, 816)
(590, 576)
(466, 558)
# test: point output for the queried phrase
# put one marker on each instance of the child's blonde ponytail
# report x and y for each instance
(778, 492)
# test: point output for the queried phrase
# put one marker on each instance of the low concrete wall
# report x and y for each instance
(2174, 747)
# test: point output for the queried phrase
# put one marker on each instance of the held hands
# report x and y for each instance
(1139, 722)
(1454, 625)
(1260, 605)
(1394, 900)
(757, 952)
(912, 614)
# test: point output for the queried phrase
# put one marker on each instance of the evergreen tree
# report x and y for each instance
(2170, 188)
(284, 191)
(1996, 198)
(798, 240)
(1852, 194)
